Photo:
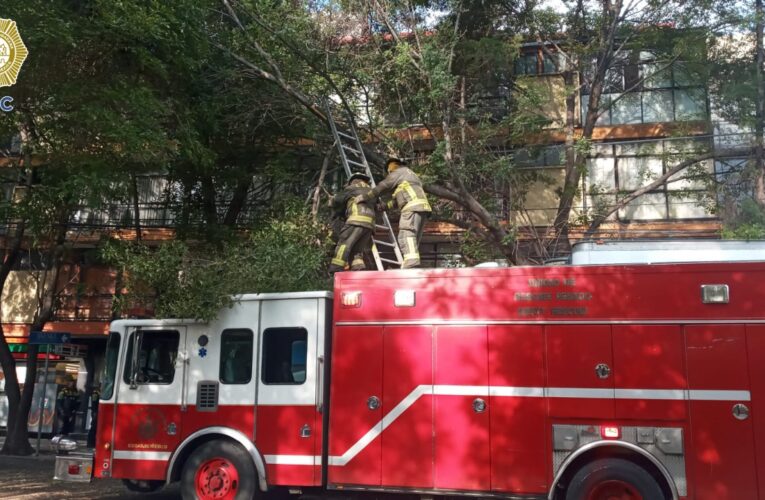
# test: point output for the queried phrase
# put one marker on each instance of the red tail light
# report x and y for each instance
(74, 469)
(610, 432)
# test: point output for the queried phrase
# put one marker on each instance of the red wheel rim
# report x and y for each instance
(216, 478)
(614, 490)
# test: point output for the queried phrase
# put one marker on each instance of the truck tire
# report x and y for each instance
(219, 470)
(613, 479)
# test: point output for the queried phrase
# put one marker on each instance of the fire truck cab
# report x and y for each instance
(565, 382)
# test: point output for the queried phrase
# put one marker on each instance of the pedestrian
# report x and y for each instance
(67, 401)
(409, 197)
(355, 239)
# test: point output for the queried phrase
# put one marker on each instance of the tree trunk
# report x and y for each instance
(136, 209)
(760, 104)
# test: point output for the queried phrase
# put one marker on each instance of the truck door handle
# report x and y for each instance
(305, 431)
(373, 403)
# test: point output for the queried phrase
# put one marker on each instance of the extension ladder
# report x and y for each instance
(354, 161)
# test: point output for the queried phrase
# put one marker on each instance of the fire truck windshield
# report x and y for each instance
(110, 367)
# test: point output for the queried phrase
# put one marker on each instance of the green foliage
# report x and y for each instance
(289, 252)
(749, 225)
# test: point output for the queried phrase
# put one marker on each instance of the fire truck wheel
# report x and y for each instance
(219, 470)
(613, 479)
(142, 485)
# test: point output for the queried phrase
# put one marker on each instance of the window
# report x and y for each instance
(284, 355)
(526, 64)
(656, 92)
(157, 352)
(110, 368)
(236, 356)
(619, 169)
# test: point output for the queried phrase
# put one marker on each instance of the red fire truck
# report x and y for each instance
(565, 382)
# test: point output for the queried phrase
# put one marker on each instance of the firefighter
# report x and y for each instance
(355, 237)
(410, 199)
(67, 401)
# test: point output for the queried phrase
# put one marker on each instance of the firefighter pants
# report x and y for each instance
(410, 228)
(354, 241)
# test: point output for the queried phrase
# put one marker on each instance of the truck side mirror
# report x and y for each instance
(136, 347)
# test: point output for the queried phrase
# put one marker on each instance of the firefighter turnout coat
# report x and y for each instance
(356, 234)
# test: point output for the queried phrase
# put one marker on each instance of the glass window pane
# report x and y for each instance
(657, 106)
(651, 206)
(284, 356)
(627, 109)
(526, 64)
(656, 76)
(157, 353)
(552, 63)
(605, 101)
(637, 172)
(554, 156)
(614, 80)
(600, 175)
(690, 104)
(683, 78)
(236, 356)
(687, 206)
(110, 366)
(691, 178)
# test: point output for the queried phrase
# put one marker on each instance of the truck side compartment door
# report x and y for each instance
(355, 413)
(755, 342)
(517, 409)
(407, 441)
(649, 372)
(722, 462)
(579, 371)
(461, 393)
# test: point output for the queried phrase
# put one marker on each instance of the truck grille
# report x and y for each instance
(207, 396)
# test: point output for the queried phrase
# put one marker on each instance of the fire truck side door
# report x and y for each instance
(148, 411)
(355, 411)
(579, 371)
(721, 464)
(288, 420)
(461, 394)
(407, 442)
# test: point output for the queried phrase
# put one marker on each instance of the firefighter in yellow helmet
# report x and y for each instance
(409, 197)
(356, 234)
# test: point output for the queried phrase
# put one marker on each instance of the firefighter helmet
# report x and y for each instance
(393, 163)
(360, 176)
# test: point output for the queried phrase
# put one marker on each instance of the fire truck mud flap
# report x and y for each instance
(223, 432)
(76, 468)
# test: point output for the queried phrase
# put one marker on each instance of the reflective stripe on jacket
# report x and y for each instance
(407, 190)
(356, 214)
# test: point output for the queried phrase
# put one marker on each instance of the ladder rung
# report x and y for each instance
(352, 150)
(343, 134)
(390, 261)
(355, 163)
(381, 226)
(387, 244)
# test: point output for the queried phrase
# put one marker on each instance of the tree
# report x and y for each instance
(87, 125)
